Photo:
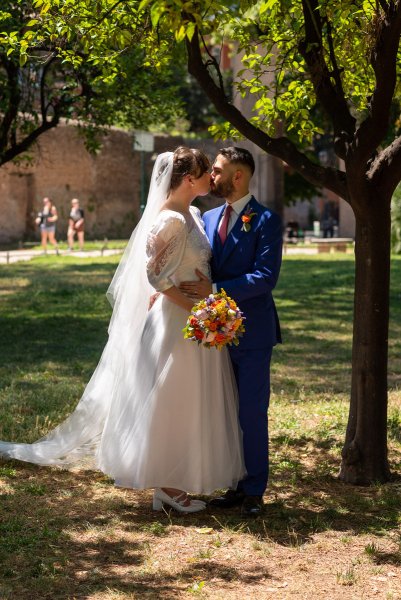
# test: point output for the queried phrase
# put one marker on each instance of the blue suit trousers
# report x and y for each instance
(252, 373)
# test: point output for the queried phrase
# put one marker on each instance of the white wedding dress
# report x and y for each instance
(180, 428)
(159, 410)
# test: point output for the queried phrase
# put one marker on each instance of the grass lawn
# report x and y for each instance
(70, 535)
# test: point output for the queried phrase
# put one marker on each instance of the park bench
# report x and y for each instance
(329, 244)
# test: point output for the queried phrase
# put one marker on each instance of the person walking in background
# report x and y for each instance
(76, 225)
(46, 220)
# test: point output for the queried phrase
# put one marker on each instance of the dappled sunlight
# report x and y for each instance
(83, 537)
(5, 489)
(72, 534)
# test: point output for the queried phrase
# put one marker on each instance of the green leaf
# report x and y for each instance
(180, 34)
(265, 6)
(155, 13)
(190, 30)
(144, 4)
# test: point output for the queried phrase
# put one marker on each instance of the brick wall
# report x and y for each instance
(108, 184)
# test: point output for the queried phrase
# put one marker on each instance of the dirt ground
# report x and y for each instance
(74, 535)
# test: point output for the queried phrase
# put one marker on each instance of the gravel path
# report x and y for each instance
(12, 256)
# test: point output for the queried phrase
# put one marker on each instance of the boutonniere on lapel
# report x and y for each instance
(247, 218)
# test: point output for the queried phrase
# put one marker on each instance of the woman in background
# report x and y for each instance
(46, 220)
(76, 224)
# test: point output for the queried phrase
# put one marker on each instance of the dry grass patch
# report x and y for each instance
(73, 535)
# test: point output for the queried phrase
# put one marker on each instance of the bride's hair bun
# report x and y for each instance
(188, 161)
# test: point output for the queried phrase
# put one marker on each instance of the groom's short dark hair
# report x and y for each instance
(239, 156)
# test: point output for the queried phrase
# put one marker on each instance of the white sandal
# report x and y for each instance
(160, 498)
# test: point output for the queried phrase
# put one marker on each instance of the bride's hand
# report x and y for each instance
(197, 289)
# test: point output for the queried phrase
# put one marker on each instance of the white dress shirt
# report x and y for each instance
(237, 206)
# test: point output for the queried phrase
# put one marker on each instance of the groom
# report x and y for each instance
(246, 240)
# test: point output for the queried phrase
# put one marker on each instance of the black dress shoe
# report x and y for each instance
(228, 500)
(252, 506)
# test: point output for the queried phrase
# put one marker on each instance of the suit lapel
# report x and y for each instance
(236, 232)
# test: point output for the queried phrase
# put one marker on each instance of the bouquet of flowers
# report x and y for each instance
(215, 322)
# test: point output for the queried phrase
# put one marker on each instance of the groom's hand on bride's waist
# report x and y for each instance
(197, 289)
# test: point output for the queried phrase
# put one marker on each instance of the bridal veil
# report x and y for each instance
(75, 441)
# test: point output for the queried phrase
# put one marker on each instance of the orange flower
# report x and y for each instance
(246, 219)
(220, 313)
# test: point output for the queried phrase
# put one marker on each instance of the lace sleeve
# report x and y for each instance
(164, 249)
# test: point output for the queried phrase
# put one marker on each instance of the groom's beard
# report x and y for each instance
(224, 189)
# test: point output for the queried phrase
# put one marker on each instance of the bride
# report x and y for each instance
(159, 411)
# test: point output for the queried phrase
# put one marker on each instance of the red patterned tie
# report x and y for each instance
(223, 229)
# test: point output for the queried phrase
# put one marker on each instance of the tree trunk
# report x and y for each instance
(364, 456)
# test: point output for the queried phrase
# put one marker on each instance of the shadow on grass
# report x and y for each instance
(74, 535)
(52, 338)
(61, 538)
(387, 558)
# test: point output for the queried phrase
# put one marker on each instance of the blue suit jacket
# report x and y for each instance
(247, 267)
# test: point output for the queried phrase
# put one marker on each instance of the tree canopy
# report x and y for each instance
(296, 57)
(74, 67)
(301, 61)
(311, 67)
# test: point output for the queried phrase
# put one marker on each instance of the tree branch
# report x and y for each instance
(384, 62)
(14, 99)
(24, 145)
(386, 169)
(11, 146)
(43, 106)
(108, 12)
(383, 4)
(331, 97)
(212, 61)
(282, 147)
(336, 71)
